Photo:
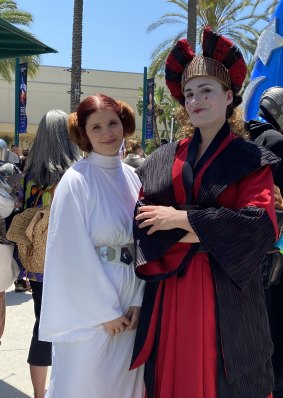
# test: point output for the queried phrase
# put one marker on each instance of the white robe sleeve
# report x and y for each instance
(77, 294)
(137, 301)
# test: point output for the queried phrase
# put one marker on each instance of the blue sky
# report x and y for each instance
(114, 31)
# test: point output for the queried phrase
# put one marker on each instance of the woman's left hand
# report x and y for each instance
(133, 315)
(162, 218)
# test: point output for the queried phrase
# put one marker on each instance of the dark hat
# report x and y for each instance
(221, 59)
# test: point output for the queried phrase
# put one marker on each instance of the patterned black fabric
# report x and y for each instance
(158, 188)
(155, 174)
(233, 239)
(239, 159)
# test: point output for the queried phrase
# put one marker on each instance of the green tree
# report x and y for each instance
(76, 68)
(236, 19)
(10, 13)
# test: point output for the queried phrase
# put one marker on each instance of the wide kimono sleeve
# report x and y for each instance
(238, 239)
(77, 294)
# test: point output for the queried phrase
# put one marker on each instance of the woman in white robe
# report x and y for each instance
(91, 296)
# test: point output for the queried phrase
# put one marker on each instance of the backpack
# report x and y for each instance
(29, 231)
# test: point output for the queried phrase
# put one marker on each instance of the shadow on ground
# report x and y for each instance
(13, 298)
(8, 391)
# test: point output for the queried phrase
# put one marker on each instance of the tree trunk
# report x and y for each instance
(192, 23)
(76, 55)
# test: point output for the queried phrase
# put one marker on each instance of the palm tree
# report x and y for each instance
(76, 69)
(10, 13)
(192, 23)
(235, 19)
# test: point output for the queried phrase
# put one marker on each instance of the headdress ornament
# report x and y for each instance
(220, 59)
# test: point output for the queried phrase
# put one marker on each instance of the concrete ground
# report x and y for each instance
(14, 371)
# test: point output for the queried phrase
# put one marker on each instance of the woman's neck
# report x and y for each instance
(209, 132)
(207, 136)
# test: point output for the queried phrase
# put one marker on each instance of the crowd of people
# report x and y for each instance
(152, 283)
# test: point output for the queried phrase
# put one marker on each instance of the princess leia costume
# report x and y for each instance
(89, 279)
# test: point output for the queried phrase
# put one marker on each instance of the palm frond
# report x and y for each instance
(10, 13)
(241, 21)
(167, 20)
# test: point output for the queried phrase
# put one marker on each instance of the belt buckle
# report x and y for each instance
(126, 256)
(106, 253)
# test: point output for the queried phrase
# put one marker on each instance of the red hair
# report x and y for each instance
(95, 103)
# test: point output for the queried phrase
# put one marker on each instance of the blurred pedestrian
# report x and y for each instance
(134, 154)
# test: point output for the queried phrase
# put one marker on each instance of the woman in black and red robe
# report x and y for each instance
(203, 224)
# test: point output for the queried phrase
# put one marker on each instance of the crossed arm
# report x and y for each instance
(165, 218)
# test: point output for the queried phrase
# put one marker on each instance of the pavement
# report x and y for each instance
(14, 370)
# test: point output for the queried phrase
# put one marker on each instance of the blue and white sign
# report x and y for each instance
(23, 98)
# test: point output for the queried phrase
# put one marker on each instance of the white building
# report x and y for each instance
(49, 90)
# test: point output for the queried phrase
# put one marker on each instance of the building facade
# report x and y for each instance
(49, 90)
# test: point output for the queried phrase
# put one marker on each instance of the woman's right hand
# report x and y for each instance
(117, 325)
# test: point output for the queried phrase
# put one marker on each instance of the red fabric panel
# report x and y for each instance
(187, 353)
(146, 350)
(166, 264)
(180, 158)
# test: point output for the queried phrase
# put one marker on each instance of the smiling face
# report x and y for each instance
(105, 132)
(206, 102)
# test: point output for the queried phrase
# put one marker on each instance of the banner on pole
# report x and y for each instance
(22, 97)
(149, 109)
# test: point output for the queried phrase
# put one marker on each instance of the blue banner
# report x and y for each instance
(23, 98)
(268, 57)
(149, 109)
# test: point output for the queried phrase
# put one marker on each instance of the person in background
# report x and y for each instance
(23, 158)
(16, 149)
(2, 294)
(134, 154)
(4, 157)
(203, 225)
(21, 284)
(91, 296)
(51, 155)
(267, 130)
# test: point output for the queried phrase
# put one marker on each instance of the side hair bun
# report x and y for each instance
(128, 118)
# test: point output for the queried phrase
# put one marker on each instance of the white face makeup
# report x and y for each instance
(206, 102)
